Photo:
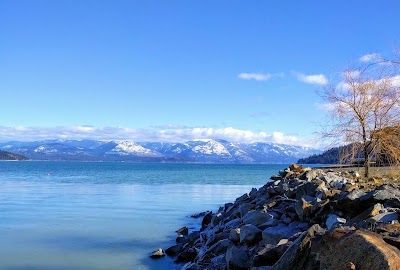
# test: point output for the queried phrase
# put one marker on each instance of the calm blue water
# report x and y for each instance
(81, 215)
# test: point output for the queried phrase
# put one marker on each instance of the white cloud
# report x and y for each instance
(167, 134)
(318, 79)
(278, 137)
(255, 76)
(372, 57)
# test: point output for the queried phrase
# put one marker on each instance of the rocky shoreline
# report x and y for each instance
(303, 219)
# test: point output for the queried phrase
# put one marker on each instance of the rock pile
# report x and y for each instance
(302, 219)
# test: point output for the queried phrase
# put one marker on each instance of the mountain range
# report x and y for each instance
(202, 151)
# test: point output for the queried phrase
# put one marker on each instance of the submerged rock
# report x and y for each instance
(157, 254)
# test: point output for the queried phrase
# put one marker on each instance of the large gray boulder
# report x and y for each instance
(256, 218)
(332, 178)
(358, 200)
(187, 255)
(309, 188)
(269, 223)
(237, 258)
(304, 206)
(242, 198)
(355, 195)
(175, 250)
(234, 235)
(192, 237)
(218, 262)
(250, 234)
(310, 175)
(296, 256)
(266, 256)
(350, 202)
(234, 223)
(386, 217)
(334, 220)
(303, 226)
(386, 195)
(359, 220)
(217, 249)
(245, 207)
(217, 237)
(253, 193)
(206, 220)
(270, 254)
(183, 231)
(274, 234)
(216, 219)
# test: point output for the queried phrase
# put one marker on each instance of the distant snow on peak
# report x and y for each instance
(129, 148)
(211, 148)
(45, 149)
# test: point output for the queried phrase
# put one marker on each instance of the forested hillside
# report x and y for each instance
(10, 156)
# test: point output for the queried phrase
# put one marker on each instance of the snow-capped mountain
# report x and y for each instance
(205, 151)
(126, 148)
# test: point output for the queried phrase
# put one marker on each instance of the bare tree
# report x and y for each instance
(389, 61)
(364, 110)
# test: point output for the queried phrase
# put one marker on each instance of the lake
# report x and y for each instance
(108, 215)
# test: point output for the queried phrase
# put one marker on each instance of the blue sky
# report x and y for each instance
(177, 70)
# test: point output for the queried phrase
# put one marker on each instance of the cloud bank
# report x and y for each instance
(166, 134)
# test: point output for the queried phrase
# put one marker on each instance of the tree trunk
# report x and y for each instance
(366, 162)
